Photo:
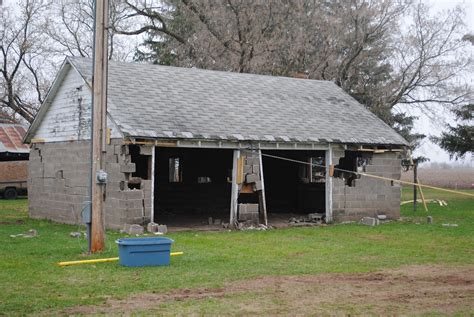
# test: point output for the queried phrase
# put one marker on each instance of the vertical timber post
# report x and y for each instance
(99, 123)
(328, 184)
(235, 191)
(415, 181)
(152, 211)
(261, 196)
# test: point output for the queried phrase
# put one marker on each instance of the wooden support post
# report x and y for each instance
(261, 194)
(415, 177)
(422, 195)
(235, 191)
(329, 169)
(152, 195)
(99, 123)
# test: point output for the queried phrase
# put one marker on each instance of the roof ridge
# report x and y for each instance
(197, 69)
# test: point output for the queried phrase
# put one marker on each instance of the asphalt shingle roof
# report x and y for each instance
(170, 102)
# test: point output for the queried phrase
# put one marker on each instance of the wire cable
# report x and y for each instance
(370, 175)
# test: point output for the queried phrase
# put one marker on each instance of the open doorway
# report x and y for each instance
(293, 189)
(192, 187)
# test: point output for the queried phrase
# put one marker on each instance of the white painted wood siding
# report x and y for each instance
(69, 115)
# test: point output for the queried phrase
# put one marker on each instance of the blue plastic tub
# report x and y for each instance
(153, 251)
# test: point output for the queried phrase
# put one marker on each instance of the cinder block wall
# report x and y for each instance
(58, 180)
(369, 196)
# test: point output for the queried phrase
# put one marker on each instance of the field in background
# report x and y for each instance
(454, 177)
(403, 267)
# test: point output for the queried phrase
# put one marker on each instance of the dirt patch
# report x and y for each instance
(410, 290)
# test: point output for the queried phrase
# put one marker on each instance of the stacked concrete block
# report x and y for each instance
(248, 212)
(368, 197)
(58, 183)
(145, 186)
(251, 170)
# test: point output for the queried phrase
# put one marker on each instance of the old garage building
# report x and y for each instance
(188, 144)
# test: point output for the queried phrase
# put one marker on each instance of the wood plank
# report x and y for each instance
(261, 195)
(234, 191)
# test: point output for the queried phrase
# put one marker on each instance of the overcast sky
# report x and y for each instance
(427, 126)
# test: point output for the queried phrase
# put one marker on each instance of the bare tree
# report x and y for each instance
(384, 53)
(22, 62)
(72, 27)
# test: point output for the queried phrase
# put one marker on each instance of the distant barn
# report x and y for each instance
(189, 144)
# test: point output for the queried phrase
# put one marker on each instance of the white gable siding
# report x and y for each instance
(68, 117)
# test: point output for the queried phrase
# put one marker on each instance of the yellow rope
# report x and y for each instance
(373, 176)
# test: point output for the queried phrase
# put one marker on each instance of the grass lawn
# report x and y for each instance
(31, 282)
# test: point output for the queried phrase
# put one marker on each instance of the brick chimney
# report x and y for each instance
(302, 75)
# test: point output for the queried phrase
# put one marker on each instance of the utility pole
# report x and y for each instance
(99, 124)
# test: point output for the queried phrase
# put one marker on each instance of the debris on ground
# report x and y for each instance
(369, 221)
(75, 234)
(132, 229)
(382, 217)
(152, 227)
(429, 219)
(434, 201)
(30, 234)
(311, 220)
(156, 228)
(450, 225)
(245, 226)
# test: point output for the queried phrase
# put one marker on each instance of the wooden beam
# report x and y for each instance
(234, 192)
(240, 169)
(152, 211)
(261, 194)
(328, 184)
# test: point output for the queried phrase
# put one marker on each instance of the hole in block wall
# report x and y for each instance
(134, 183)
(352, 162)
(142, 163)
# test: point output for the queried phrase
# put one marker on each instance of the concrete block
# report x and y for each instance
(257, 186)
(256, 169)
(128, 168)
(152, 227)
(252, 208)
(124, 150)
(146, 150)
(249, 216)
(247, 169)
(163, 229)
(369, 221)
(252, 161)
(133, 229)
(133, 194)
(252, 178)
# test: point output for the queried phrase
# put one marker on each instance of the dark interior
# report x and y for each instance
(288, 187)
(192, 185)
